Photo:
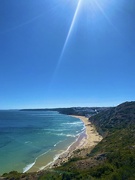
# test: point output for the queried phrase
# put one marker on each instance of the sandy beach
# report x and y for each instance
(92, 136)
(83, 145)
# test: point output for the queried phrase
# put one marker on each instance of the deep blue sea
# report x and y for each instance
(34, 138)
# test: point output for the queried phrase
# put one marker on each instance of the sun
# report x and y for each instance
(93, 8)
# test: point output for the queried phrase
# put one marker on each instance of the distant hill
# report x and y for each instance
(81, 111)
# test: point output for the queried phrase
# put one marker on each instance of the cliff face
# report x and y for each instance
(122, 116)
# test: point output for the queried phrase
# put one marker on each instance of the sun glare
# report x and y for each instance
(70, 29)
(94, 9)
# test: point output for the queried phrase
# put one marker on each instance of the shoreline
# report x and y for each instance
(46, 162)
(93, 136)
(84, 143)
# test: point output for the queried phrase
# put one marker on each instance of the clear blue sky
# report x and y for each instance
(61, 53)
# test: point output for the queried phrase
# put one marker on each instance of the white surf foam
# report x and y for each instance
(29, 166)
(73, 123)
(62, 134)
(57, 143)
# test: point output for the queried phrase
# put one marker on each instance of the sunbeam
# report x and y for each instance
(95, 8)
(69, 34)
(104, 14)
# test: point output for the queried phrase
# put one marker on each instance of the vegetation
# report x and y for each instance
(112, 159)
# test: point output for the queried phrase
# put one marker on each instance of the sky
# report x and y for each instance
(65, 53)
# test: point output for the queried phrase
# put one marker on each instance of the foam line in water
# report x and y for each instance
(57, 143)
(62, 134)
(29, 166)
(44, 153)
(73, 123)
(84, 128)
(56, 130)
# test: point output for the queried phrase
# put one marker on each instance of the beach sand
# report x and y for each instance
(93, 136)
(84, 144)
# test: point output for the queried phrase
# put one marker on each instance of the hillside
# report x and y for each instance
(112, 159)
(122, 116)
(114, 156)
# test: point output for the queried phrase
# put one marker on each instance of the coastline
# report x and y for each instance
(85, 142)
(93, 137)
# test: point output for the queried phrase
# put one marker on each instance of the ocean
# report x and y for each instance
(30, 140)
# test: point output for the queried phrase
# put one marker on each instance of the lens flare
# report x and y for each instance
(90, 6)
(69, 34)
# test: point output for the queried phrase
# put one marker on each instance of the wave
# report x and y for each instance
(43, 153)
(55, 130)
(70, 135)
(62, 134)
(29, 166)
(84, 128)
(27, 142)
(57, 143)
(73, 123)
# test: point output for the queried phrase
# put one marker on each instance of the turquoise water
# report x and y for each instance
(26, 136)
